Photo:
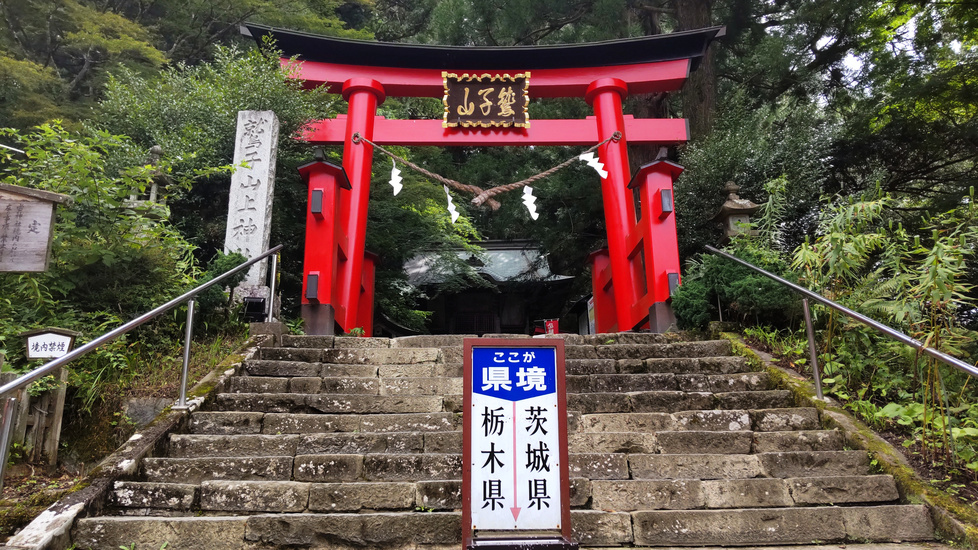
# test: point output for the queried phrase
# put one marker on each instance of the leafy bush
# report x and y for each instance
(111, 259)
(715, 287)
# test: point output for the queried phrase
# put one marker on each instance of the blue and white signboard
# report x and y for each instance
(515, 441)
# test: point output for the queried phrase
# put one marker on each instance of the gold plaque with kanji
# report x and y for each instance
(486, 100)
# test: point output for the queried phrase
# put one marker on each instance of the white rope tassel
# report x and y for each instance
(451, 206)
(593, 162)
(529, 200)
(396, 179)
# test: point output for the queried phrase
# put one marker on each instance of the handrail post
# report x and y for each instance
(271, 288)
(182, 402)
(9, 410)
(816, 372)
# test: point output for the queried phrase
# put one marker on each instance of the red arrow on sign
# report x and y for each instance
(515, 509)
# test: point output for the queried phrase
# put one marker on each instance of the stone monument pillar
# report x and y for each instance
(252, 186)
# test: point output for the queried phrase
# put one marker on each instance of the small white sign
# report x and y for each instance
(48, 345)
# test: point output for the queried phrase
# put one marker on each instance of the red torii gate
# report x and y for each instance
(632, 279)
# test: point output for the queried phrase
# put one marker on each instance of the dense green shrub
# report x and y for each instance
(715, 287)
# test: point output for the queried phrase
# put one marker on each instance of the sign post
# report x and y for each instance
(515, 471)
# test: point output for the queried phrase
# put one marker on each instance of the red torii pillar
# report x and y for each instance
(605, 96)
(364, 96)
(338, 286)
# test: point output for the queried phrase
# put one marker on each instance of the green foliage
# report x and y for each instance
(192, 111)
(71, 47)
(29, 92)
(111, 258)
(754, 146)
(103, 242)
(712, 282)
(864, 258)
(214, 303)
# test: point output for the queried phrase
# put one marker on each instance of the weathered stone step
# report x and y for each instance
(354, 356)
(676, 401)
(407, 355)
(442, 530)
(311, 467)
(190, 446)
(157, 496)
(574, 367)
(708, 348)
(663, 442)
(456, 340)
(391, 530)
(689, 494)
(782, 525)
(758, 420)
(745, 466)
(397, 384)
(619, 495)
(620, 383)
(337, 467)
(327, 403)
(235, 422)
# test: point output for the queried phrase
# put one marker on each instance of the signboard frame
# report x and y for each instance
(469, 110)
(469, 538)
(37, 206)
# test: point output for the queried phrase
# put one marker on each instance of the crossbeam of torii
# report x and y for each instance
(632, 279)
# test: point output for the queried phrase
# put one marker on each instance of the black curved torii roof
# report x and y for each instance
(690, 45)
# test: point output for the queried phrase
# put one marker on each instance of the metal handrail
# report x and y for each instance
(880, 327)
(51, 366)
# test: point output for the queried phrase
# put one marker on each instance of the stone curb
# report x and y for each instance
(51, 530)
(949, 525)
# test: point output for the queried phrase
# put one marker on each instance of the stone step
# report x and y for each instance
(619, 495)
(353, 355)
(758, 420)
(574, 367)
(781, 525)
(327, 403)
(689, 494)
(743, 466)
(373, 351)
(144, 498)
(320, 468)
(397, 384)
(620, 383)
(391, 530)
(418, 466)
(791, 429)
(676, 401)
(708, 348)
(233, 422)
(442, 530)
(586, 403)
(359, 442)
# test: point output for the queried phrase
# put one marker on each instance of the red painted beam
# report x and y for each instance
(641, 78)
(540, 132)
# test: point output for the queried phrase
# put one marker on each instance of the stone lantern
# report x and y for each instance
(735, 212)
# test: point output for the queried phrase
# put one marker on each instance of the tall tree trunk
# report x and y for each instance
(699, 94)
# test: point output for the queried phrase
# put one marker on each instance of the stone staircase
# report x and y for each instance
(356, 443)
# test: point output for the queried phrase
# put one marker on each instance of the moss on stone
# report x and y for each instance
(953, 519)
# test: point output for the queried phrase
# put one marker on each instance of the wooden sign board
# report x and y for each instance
(515, 486)
(26, 228)
(486, 101)
(49, 343)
